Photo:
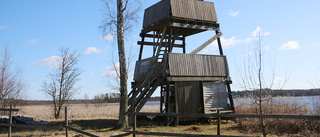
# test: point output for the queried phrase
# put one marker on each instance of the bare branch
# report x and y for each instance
(62, 80)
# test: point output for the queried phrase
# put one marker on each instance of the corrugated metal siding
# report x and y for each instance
(197, 65)
(142, 66)
(185, 9)
(189, 98)
(214, 95)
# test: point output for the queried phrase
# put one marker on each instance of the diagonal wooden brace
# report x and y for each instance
(206, 43)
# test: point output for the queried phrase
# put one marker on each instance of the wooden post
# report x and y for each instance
(134, 122)
(176, 101)
(10, 121)
(219, 123)
(219, 44)
(66, 119)
(141, 46)
(184, 44)
(230, 96)
(168, 102)
(161, 99)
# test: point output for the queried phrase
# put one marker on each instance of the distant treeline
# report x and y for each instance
(277, 93)
(83, 101)
(115, 98)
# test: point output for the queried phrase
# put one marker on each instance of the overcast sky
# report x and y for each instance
(34, 30)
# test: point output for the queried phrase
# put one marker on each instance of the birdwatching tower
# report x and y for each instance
(188, 82)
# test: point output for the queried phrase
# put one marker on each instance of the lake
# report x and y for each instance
(310, 101)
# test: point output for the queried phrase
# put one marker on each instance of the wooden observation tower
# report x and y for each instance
(188, 82)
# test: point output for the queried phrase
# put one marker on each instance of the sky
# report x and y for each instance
(35, 30)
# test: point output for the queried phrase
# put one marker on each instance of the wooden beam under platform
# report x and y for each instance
(151, 36)
(196, 78)
(194, 26)
(151, 44)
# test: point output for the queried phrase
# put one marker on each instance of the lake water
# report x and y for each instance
(310, 101)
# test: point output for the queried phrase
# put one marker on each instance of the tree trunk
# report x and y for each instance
(123, 119)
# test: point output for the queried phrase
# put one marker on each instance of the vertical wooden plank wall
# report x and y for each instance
(189, 98)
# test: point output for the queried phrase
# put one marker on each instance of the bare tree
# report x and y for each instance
(113, 80)
(99, 100)
(126, 16)
(11, 86)
(62, 80)
(253, 79)
(86, 99)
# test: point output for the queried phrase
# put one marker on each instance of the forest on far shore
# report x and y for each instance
(236, 94)
(278, 93)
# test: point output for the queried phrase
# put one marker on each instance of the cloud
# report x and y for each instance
(258, 31)
(111, 71)
(108, 37)
(247, 55)
(33, 41)
(290, 45)
(134, 44)
(278, 80)
(32, 79)
(90, 73)
(233, 13)
(3, 27)
(229, 42)
(233, 41)
(92, 50)
(33, 85)
(51, 62)
(226, 43)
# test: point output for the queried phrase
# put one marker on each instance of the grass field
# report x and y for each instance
(77, 111)
(100, 120)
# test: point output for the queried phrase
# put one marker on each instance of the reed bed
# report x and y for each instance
(279, 126)
(77, 111)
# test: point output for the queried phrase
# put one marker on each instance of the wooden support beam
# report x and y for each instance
(176, 101)
(230, 95)
(196, 78)
(168, 102)
(156, 26)
(80, 131)
(164, 32)
(169, 40)
(141, 47)
(219, 44)
(193, 26)
(151, 44)
(66, 119)
(9, 109)
(219, 124)
(184, 44)
(166, 37)
(206, 43)
(10, 121)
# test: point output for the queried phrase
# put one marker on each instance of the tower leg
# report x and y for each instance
(141, 46)
(230, 95)
(219, 44)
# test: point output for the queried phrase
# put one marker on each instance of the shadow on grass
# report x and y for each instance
(94, 124)
(85, 124)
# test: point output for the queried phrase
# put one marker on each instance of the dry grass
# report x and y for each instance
(279, 126)
(99, 121)
(77, 111)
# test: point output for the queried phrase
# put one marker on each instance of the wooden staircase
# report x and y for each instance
(142, 90)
